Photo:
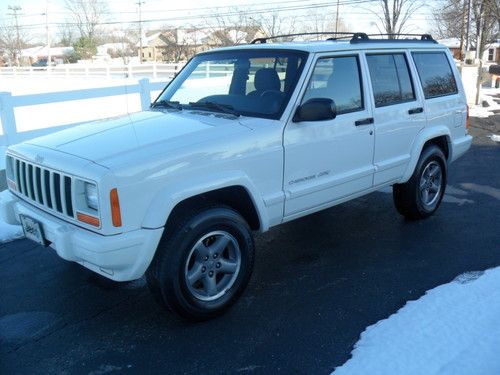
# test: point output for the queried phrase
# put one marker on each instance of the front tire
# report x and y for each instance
(421, 196)
(203, 264)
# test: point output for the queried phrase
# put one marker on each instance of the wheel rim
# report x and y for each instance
(212, 265)
(430, 183)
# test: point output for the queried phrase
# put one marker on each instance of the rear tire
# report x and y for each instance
(421, 196)
(203, 264)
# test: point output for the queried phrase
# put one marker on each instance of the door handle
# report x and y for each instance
(365, 121)
(415, 110)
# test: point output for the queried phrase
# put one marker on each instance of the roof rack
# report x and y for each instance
(414, 37)
(265, 39)
(356, 37)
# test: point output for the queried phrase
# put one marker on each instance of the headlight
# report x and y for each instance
(91, 196)
(10, 168)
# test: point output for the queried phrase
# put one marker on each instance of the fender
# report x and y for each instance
(418, 144)
(164, 202)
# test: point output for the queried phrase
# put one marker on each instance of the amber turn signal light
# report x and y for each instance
(116, 215)
(87, 219)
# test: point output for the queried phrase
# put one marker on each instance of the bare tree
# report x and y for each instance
(180, 43)
(87, 15)
(319, 22)
(123, 44)
(395, 15)
(12, 40)
(451, 21)
(235, 27)
(67, 36)
(485, 24)
(276, 24)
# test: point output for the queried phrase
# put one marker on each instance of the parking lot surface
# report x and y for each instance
(318, 283)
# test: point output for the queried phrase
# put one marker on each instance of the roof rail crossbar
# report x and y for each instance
(265, 39)
(391, 39)
(356, 36)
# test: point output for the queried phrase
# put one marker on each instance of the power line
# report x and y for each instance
(139, 4)
(230, 8)
(228, 14)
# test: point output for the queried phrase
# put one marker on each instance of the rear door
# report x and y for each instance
(398, 112)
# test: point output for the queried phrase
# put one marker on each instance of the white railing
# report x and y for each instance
(8, 102)
(151, 70)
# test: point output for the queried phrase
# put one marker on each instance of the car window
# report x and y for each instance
(255, 83)
(337, 78)
(390, 79)
(435, 74)
(268, 64)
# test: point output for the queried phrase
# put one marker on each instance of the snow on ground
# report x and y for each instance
(9, 232)
(453, 329)
(487, 94)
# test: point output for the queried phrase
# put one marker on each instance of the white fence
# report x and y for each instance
(150, 70)
(8, 102)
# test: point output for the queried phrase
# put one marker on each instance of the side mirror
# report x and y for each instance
(316, 109)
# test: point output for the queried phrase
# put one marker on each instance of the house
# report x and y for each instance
(491, 53)
(152, 45)
(58, 55)
(178, 44)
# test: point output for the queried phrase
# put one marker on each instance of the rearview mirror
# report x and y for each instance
(316, 109)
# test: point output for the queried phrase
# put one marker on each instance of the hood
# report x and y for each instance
(101, 140)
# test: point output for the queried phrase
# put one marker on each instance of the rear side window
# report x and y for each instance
(390, 78)
(337, 78)
(435, 74)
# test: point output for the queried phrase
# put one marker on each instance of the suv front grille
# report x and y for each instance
(53, 190)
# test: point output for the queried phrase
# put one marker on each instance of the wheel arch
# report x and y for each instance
(237, 193)
(439, 136)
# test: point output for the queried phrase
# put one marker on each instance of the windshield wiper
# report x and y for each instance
(213, 106)
(167, 104)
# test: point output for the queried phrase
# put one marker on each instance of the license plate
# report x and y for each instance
(33, 230)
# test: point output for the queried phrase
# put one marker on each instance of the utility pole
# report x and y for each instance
(15, 9)
(337, 18)
(462, 32)
(139, 3)
(467, 30)
(49, 57)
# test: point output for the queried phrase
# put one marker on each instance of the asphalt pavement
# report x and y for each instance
(318, 283)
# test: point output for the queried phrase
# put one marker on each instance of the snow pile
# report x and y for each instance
(495, 137)
(9, 232)
(487, 95)
(453, 329)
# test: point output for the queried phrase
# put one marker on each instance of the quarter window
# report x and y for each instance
(390, 79)
(435, 74)
(337, 78)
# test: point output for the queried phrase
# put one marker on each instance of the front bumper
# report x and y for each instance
(120, 257)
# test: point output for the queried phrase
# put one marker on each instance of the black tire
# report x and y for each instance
(167, 274)
(408, 197)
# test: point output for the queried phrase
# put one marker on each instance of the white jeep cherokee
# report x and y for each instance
(243, 139)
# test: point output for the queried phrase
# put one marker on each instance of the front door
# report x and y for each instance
(326, 161)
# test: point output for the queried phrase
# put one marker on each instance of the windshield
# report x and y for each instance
(255, 83)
